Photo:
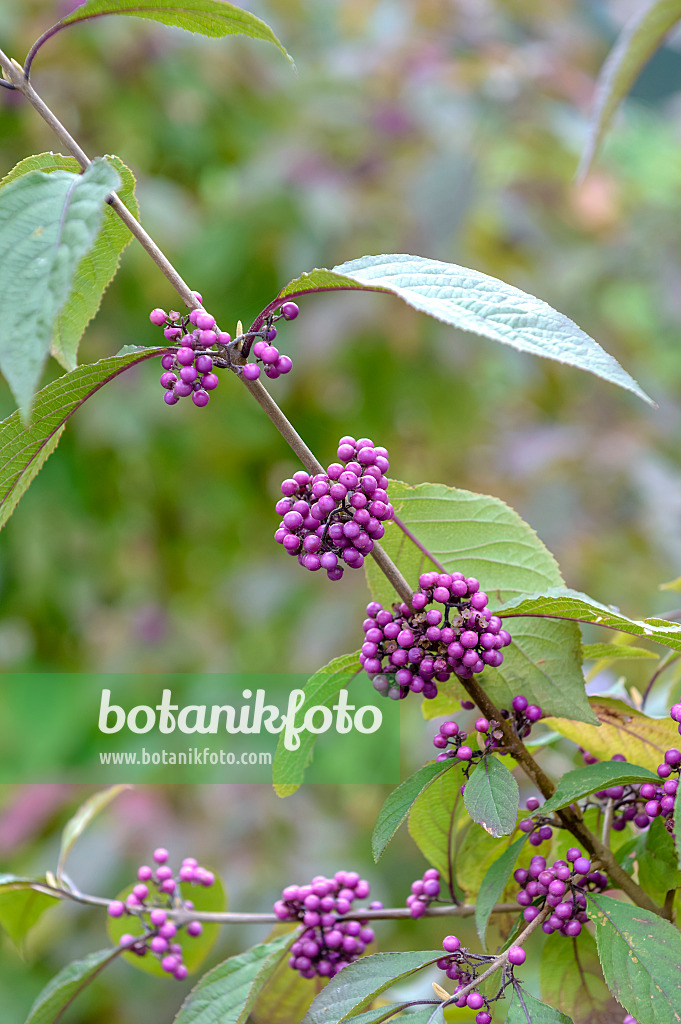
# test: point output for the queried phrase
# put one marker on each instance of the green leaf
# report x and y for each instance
(470, 301)
(358, 984)
(493, 886)
(615, 652)
(639, 39)
(572, 980)
(215, 18)
(48, 222)
(98, 267)
(396, 807)
(58, 995)
(227, 993)
(594, 777)
(525, 1009)
(387, 1013)
(622, 730)
(195, 949)
(437, 819)
(21, 907)
(658, 868)
(23, 449)
(562, 603)
(284, 995)
(491, 797)
(321, 689)
(641, 959)
(82, 818)
(672, 585)
(482, 536)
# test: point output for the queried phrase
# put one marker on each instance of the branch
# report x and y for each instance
(18, 78)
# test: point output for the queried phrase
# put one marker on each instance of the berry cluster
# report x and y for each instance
(560, 886)
(450, 739)
(157, 892)
(423, 892)
(539, 828)
(407, 650)
(202, 347)
(336, 516)
(326, 944)
(462, 966)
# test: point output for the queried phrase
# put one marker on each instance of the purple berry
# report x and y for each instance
(116, 908)
(200, 398)
(289, 310)
(157, 317)
(251, 371)
(516, 955)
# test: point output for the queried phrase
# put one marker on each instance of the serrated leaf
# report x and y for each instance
(594, 777)
(48, 222)
(396, 807)
(470, 301)
(215, 18)
(23, 449)
(641, 959)
(493, 885)
(482, 536)
(436, 820)
(491, 797)
(525, 1009)
(615, 652)
(639, 39)
(227, 993)
(98, 267)
(572, 980)
(358, 984)
(58, 995)
(21, 907)
(82, 818)
(284, 996)
(622, 729)
(562, 603)
(195, 948)
(321, 689)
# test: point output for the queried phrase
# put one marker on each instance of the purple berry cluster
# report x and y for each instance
(423, 892)
(462, 966)
(157, 892)
(562, 887)
(539, 828)
(407, 650)
(202, 347)
(335, 517)
(327, 943)
(450, 740)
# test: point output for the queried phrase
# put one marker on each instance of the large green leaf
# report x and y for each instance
(23, 449)
(482, 536)
(195, 948)
(284, 996)
(227, 993)
(525, 1009)
(396, 807)
(493, 885)
(358, 984)
(97, 268)
(641, 959)
(491, 797)
(58, 995)
(622, 730)
(48, 222)
(561, 603)
(615, 652)
(594, 777)
(639, 39)
(82, 818)
(21, 907)
(215, 18)
(471, 301)
(658, 861)
(321, 689)
(437, 819)
(572, 980)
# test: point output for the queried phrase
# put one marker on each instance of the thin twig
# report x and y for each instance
(669, 658)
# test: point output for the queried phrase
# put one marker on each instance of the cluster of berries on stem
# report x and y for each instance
(413, 649)
(334, 517)
(450, 740)
(561, 886)
(202, 347)
(423, 892)
(156, 893)
(462, 966)
(327, 943)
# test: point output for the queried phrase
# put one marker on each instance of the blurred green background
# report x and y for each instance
(447, 128)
